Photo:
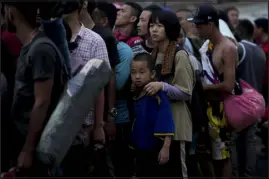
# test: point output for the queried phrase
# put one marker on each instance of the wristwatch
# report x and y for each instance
(113, 112)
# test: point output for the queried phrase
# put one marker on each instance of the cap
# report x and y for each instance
(204, 14)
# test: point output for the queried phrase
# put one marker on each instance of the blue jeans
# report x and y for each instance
(243, 152)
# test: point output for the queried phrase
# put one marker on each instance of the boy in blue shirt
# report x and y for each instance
(153, 126)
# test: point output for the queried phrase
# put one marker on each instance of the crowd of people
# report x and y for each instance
(160, 115)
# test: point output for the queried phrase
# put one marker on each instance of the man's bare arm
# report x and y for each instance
(230, 59)
(42, 92)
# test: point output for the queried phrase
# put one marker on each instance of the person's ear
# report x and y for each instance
(133, 19)
(105, 22)
(153, 74)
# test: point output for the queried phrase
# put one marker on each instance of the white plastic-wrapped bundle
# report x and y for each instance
(71, 111)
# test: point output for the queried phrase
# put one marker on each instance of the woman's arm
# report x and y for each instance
(175, 93)
(183, 82)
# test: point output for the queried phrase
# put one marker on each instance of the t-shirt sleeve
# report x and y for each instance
(124, 67)
(164, 125)
(43, 62)
(184, 74)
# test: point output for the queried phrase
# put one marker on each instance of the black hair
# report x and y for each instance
(170, 22)
(145, 57)
(136, 10)
(231, 8)
(247, 28)
(109, 10)
(262, 23)
(28, 11)
(153, 8)
(71, 6)
(223, 16)
(91, 6)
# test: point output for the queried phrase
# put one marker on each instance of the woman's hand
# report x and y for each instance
(153, 87)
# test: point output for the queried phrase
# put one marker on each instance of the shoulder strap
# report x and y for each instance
(45, 40)
(244, 53)
(179, 48)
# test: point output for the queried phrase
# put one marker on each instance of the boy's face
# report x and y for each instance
(140, 73)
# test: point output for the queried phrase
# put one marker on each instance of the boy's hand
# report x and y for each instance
(153, 87)
(163, 156)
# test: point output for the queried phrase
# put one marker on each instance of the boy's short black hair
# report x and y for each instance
(145, 57)
(246, 26)
(109, 10)
(262, 23)
(170, 23)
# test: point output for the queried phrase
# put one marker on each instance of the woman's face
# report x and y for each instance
(157, 31)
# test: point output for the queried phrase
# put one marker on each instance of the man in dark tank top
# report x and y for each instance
(251, 67)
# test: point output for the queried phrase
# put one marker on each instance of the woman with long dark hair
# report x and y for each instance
(175, 76)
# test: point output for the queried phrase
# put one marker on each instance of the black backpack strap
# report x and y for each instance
(45, 40)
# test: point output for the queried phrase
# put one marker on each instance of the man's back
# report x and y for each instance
(252, 64)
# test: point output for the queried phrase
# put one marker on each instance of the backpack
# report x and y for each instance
(64, 75)
(197, 105)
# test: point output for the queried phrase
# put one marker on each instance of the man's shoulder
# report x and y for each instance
(41, 45)
(134, 40)
(123, 47)
(227, 46)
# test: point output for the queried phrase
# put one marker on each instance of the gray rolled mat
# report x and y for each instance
(74, 106)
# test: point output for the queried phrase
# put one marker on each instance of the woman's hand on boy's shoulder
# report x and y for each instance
(153, 87)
